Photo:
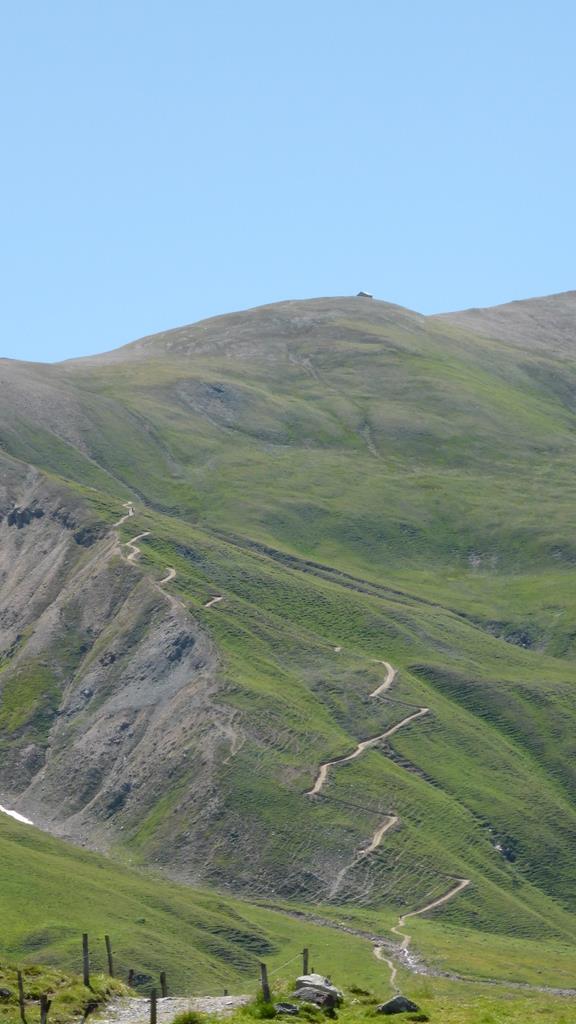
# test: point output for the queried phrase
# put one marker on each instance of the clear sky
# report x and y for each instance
(167, 160)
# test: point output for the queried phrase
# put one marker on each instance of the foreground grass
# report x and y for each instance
(439, 1001)
(68, 996)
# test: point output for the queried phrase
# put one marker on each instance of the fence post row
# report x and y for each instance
(266, 993)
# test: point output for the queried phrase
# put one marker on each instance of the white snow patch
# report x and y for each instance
(16, 815)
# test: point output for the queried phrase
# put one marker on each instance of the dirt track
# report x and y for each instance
(362, 746)
(170, 574)
(131, 511)
(374, 843)
(137, 1010)
(134, 551)
(390, 822)
(390, 677)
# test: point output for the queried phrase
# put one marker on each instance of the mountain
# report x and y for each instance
(352, 523)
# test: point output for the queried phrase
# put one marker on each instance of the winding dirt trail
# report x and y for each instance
(374, 843)
(170, 575)
(390, 822)
(213, 601)
(131, 512)
(390, 677)
(362, 746)
(461, 883)
(406, 939)
(134, 551)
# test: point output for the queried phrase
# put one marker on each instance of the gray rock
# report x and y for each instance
(400, 1004)
(310, 994)
(289, 1009)
(319, 982)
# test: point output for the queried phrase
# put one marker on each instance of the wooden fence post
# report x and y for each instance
(153, 1006)
(305, 960)
(109, 955)
(21, 1002)
(163, 985)
(45, 1005)
(85, 961)
(266, 994)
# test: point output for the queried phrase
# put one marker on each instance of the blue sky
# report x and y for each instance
(168, 161)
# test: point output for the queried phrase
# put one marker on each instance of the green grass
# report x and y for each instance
(68, 996)
(439, 1001)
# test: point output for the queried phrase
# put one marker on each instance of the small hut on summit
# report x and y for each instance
(364, 295)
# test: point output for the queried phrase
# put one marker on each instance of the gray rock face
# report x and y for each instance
(127, 679)
(400, 1004)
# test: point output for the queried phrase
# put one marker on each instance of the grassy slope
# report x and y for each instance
(52, 892)
(435, 465)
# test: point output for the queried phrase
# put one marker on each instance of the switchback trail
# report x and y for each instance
(133, 549)
(390, 822)
(362, 746)
(131, 511)
(170, 574)
(134, 552)
(374, 843)
(390, 677)
(461, 884)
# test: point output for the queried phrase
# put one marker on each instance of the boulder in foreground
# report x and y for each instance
(400, 1004)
